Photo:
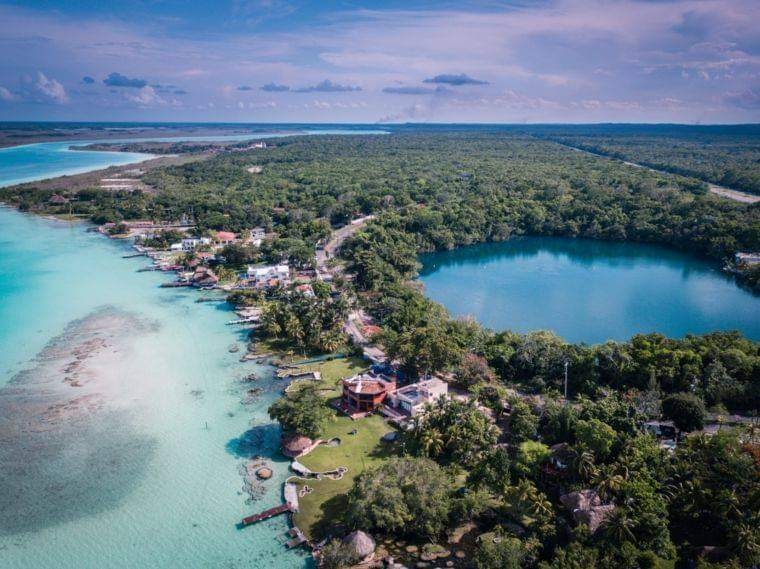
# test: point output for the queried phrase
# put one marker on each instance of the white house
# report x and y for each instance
(257, 236)
(191, 243)
(747, 259)
(411, 399)
(265, 275)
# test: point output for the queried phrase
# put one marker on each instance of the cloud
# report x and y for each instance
(415, 112)
(88, 80)
(146, 97)
(119, 80)
(416, 90)
(274, 87)
(748, 99)
(180, 92)
(6, 95)
(328, 86)
(456, 80)
(245, 88)
(51, 88)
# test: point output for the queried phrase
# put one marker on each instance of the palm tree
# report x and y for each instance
(619, 527)
(431, 442)
(583, 464)
(607, 483)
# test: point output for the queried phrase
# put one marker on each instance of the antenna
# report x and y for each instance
(566, 364)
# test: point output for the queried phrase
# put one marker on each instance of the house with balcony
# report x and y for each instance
(365, 393)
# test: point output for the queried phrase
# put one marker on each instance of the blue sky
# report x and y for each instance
(397, 61)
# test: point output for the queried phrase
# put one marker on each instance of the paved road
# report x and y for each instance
(337, 239)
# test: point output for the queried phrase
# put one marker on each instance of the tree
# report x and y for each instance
(522, 423)
(452, 430)
(492, 471)
(530, 456)
(575, 556)
(473, 370)
(336, 555)
(302, 411)
(426, 350)
(596, 436)
(686, 410)
(558, 423)
(500, 553)
(411, 496)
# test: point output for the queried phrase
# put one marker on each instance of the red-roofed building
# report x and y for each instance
(225, 237)
(365, 392)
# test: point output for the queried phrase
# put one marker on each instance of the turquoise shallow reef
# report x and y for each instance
(123, 414)
(589, 291)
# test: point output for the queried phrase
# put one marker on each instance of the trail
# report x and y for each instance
(728, 193)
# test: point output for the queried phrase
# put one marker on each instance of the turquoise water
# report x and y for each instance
(588, 291)
(50, 159)
(181, 388)
(133, 459)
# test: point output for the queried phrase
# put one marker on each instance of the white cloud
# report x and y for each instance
(51, 88)
(146, 97)
(6, 95)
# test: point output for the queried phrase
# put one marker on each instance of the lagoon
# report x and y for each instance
(588, 291)
(140, 465)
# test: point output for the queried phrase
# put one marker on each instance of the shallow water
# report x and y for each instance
(148, 473)
(589, 291)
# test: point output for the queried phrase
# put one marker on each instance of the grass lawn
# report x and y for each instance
(324, 506)
(321, 510)
(333, 371)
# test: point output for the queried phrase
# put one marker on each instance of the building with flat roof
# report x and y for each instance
(411, 399)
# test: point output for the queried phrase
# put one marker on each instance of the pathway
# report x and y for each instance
(735, 195)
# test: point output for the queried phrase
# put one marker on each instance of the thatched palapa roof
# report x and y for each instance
(361, 544)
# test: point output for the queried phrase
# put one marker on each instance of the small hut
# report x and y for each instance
(203, 276)
(296, 445)
(361, 545)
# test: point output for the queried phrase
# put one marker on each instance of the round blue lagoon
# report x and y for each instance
(589, 291)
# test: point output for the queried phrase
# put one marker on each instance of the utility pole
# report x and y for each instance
(566, 364)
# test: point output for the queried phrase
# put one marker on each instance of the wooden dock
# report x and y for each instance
(266, 514)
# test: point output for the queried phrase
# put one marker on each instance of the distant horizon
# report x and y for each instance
(376, 124)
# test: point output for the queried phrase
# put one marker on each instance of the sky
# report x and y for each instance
(488, 61)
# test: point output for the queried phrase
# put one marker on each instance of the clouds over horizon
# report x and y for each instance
(557, 60)
(118, 80)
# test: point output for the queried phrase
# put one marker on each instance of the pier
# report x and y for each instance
(266, 514)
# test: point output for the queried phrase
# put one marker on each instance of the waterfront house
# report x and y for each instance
(192, 243)
(410, 400)
(365, 392)
(746, 260)
(203, 277)
(269, 275)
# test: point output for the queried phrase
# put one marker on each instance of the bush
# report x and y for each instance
(686, 410)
